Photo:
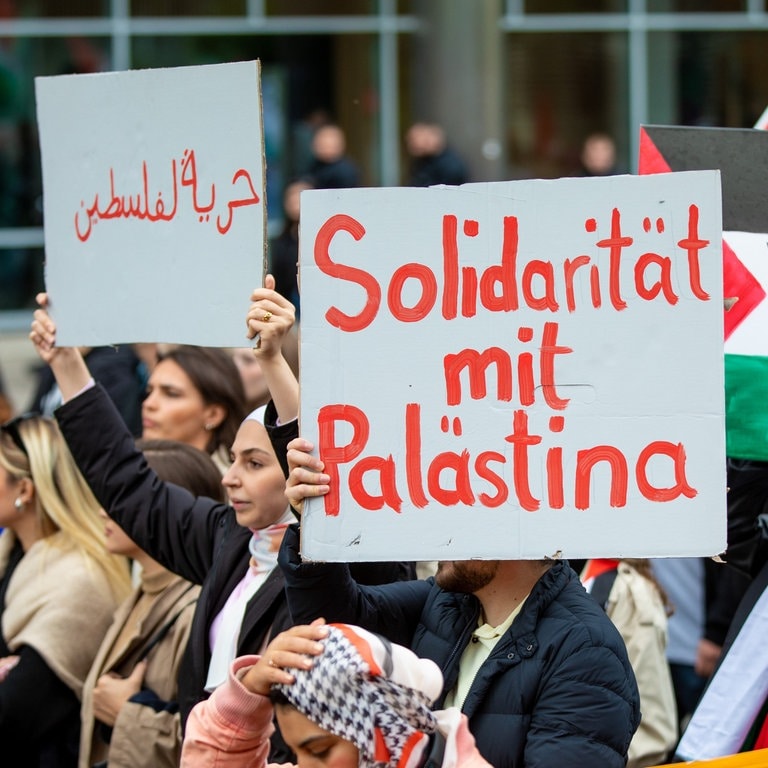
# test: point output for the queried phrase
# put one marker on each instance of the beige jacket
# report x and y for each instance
(58, 602)
(636, 609)
(141, 737)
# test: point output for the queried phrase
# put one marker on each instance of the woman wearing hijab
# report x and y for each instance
(343, 697)
(229, 549)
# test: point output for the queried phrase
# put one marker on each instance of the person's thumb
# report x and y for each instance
(139, 671)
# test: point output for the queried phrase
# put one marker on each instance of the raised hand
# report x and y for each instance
(269, 317)
(292, 649)
(67, 363)
(305, 474)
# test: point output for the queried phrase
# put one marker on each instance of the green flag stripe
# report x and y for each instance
(746, 407)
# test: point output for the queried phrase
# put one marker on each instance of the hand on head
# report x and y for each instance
(291, 649)
(305, 474)
(270, 317)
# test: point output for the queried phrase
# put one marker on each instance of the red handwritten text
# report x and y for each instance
(450, 478)
(151, 206)
(538, 284)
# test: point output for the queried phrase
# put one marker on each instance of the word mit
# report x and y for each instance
(477, 364)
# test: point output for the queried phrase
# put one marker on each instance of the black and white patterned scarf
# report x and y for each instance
(359, 690)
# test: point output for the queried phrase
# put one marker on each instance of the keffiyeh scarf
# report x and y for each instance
(371, 693)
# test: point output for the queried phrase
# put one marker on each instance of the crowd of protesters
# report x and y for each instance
(155, 610)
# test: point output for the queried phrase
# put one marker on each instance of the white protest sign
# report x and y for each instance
(154, 206)
(515, 370)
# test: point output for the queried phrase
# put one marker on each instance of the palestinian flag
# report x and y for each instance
(741, 155)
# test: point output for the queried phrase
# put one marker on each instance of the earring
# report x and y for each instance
(208, 427)
(18, 504)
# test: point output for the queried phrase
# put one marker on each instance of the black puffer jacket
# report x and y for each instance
(557, 690)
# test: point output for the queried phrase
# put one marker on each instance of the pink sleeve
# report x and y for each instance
(231, 728)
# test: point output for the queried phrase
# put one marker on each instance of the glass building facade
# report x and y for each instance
(517, 84)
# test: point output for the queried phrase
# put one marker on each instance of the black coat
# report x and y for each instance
(444, 168)
(557, 690)
(339, 174)
(195, 537)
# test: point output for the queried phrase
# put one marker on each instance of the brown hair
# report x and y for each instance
(215, 376)
(183, 465)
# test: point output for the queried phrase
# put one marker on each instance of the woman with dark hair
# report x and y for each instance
(130, 715)
(195, 395)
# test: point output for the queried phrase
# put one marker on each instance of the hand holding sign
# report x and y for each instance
(67, 363)
(306, 478)
(269, 318)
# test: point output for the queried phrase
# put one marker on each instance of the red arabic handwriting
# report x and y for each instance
(241, 174)
(138, 206)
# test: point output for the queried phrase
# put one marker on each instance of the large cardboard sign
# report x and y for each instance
(153, 202)
(741, 156)
(515, 370)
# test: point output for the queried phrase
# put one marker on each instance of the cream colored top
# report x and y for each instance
(479, 648)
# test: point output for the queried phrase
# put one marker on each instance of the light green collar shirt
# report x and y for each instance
(479, 648)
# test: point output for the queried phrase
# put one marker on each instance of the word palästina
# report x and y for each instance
(450, 478)
(539, 284)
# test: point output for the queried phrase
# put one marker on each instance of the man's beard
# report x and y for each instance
(466, 576)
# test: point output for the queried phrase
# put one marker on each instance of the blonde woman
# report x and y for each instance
(58, 590)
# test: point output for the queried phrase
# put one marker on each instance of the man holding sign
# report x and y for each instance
(559, 691)
(566, 400)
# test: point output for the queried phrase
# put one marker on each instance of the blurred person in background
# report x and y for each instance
(432, 161)
(6, 409)
(598, 156)
(284, 249)
(331, 168)
(254, 382)
(638, 606)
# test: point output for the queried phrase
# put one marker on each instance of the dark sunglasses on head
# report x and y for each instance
(11, 428)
